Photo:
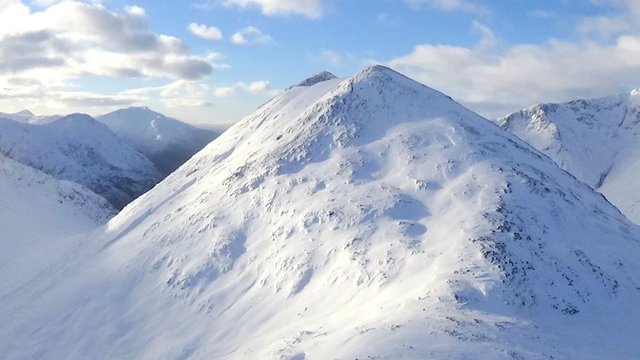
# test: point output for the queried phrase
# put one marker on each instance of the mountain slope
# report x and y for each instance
(38, 214)
(79, 149)
(166, 141)
(596, 140)
(369, 218)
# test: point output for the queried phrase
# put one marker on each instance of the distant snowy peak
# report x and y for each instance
(80, 149)
(166, 141)
(596, 140)
(317, 78)
(27, 116)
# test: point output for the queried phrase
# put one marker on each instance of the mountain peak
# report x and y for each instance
(443, 235)
(77, 118)
(25, 113)
(317, 78)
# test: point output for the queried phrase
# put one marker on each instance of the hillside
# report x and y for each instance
(596, 140)
(166, 141)
(38, 216)
(80, 149)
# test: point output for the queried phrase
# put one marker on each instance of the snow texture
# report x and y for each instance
(595, 140)
(362, 218)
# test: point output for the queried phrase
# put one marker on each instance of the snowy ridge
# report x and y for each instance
(28, 117)
(38, 214)
(317, 78)
(80, 149)
(166, 141)
(369, 217)
(596, 140)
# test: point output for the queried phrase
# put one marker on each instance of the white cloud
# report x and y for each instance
(71, 39)
(135, 10)
(256, 87)
(625, 18)
(449, 5)
(309, 8)
(77, 38)
(205, 32)
(495, 83)
(250, 35)
(487, 38)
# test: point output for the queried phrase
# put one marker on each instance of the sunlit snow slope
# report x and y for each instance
(80, 149)
(361, 218)
(38, 216)
(596, 140)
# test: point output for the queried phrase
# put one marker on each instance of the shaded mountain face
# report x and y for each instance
(166, 141)
(80, 149)
(38, 216)
(595, 140)
(368, 217)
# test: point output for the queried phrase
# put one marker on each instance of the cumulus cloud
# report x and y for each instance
(250, 35)
(205, 32)
(309, 8)
(496, 83)
(76, 38)
(44, 52)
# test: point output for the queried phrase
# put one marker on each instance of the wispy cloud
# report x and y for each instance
(205, 32)
(310, 8)
(450, 5)
(250, 35)
(256, 87)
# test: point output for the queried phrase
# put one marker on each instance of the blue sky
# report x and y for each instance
(213, 61)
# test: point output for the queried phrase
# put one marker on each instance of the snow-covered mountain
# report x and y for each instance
(596, 140)
(80, 149)
(166, 141)
(27, 116)
(362, 218)
(38, 216)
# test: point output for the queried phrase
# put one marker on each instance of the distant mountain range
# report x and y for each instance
(80, 149)
(119, 157)
(596, 140)
(164, 140)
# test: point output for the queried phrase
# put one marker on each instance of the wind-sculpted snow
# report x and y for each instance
(595, 140)
(168, 142)
(78, 148)
(361, 218)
